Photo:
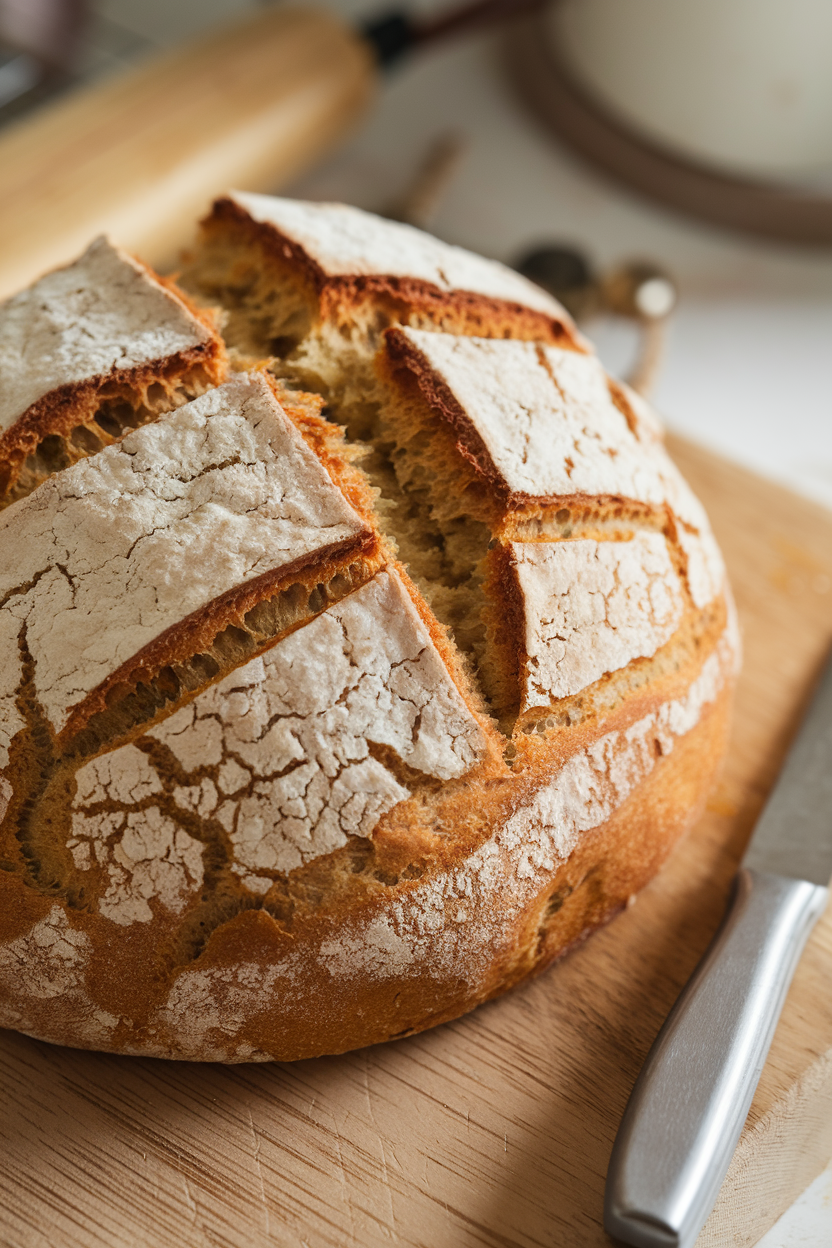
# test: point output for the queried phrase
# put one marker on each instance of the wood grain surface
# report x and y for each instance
(142, 154)
(494, 1130)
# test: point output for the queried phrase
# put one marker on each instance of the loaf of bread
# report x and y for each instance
(357, 662)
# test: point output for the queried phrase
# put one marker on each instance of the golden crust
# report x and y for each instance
(472, 877)
(80, 415)
(258, 991)
(399, 299)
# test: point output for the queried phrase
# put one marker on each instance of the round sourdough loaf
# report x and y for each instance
(341, 690)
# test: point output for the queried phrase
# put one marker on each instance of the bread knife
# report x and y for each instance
(690, 1102)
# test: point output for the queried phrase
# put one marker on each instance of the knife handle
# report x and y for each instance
(690, 1102)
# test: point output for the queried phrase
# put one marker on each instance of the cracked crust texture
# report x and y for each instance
(104, 326)
(592, 607)
(111, 555)
(387, 789)
(279, 753)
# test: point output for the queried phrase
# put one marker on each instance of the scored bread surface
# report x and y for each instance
(340, 241)
(279, 753)
(309, 743)
(88, 349)
(120, 548)
(536, 421)
(316, 285)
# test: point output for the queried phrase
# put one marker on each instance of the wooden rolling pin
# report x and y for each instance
(141, 155)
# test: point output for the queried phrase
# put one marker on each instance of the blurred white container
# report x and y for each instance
(744, 86)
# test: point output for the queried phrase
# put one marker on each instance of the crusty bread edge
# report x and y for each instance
(297, 1007)
(422, 298)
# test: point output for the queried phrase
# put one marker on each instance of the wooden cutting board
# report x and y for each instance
(494, 1130)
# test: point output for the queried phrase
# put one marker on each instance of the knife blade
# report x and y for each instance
(689, 1104)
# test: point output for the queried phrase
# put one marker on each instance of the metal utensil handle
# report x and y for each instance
(692, 1097)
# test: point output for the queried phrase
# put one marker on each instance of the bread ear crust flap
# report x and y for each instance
(338, 297)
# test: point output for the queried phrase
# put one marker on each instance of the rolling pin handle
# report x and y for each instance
(390, 37)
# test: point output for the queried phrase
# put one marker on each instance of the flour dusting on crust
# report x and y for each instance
(287, 742)
(102, 314)
(646, 424)
(455, 924)
(345, 241)
(291, 731)
(209, 1007)
(145, 856)
(50, 959)
(550, 427)
(544, 415)
(547, 422)
(125, 776)
(47, 966)
(591, 607)
(107, 555)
